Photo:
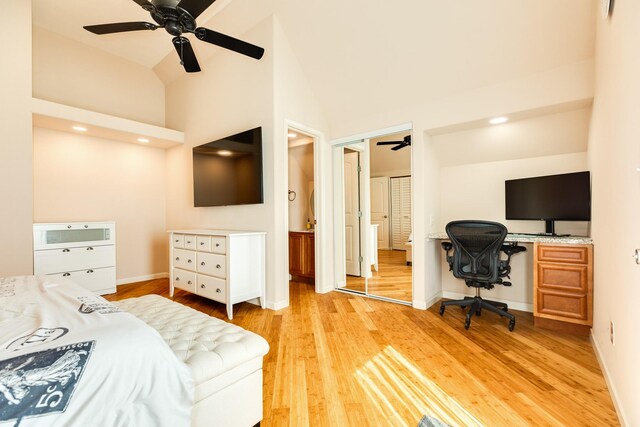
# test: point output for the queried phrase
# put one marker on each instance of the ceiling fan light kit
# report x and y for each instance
(178, 17)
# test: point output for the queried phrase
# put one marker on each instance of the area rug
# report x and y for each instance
(428, 421)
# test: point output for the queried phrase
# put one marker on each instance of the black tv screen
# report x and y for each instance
(229, 171)
(565, 197)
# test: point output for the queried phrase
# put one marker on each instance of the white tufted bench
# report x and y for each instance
(225, 360)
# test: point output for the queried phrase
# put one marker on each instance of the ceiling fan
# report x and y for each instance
(178, 17)
(406, 141)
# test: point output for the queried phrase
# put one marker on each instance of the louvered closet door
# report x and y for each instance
(400, 211)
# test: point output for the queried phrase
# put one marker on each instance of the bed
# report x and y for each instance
(69, 357)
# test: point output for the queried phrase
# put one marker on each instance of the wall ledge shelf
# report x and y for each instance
(54, 116)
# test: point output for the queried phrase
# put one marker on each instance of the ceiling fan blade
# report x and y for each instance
(119, 27)
(187, 55)
(194, 7)
(229, 42)
(145, 4)
(390, 142)
(399, 147)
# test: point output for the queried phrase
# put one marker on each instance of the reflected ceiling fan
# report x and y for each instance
(178, 17)
(406, 142)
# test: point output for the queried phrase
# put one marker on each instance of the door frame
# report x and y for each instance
(322, 231)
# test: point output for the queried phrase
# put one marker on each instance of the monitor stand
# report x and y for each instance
(550, 229)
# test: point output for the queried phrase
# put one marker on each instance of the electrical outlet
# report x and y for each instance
(611, 334)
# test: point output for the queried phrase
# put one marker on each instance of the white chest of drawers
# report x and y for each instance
(84, 252)
(222, 265)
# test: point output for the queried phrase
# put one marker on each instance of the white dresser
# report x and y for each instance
(84, 252)
(222, 265)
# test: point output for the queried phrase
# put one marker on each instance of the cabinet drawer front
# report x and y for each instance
(203, 243)
(564, 304)
(219, 244)
(565, 254)
(189, 241)
(568, 278)
(178, 241)
(212, 264)
(101, 280)
(184, 259)
(212, 288)
(73, 259)
(184, 280)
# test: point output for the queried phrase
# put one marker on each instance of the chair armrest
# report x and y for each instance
(512, 249)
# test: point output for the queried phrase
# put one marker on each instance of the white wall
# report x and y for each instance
(80, 178)
(300, 181)
(614, 156)
(16, 256)
(71, 73)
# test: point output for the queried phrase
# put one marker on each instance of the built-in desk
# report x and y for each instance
(562, 272)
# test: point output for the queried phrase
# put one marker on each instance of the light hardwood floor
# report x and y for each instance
(344, 360)
(392, 280)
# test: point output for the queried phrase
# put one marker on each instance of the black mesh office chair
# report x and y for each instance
(477, 247)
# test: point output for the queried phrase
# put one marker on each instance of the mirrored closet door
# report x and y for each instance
(373, 217)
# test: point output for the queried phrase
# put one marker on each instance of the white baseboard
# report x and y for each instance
(420, 305)
(278, 305)
(424, 305)
(516, 305)
(607, 377)
(128, 280)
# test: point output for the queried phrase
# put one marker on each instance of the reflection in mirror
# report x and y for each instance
(373, 217)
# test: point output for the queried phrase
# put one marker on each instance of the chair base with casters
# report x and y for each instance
(476, 304)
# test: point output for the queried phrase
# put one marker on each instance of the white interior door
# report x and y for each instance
(352, 213)
(400, 212)
(380, 209)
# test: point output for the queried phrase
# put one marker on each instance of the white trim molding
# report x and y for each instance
(516, 305)
(278, 305)
(128, 280)
(610, 385)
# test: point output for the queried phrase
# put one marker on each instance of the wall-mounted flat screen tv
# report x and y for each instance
(229, 171)
(565, 197)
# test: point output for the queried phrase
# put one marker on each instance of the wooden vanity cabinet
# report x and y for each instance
(302, 256)
(563, 287)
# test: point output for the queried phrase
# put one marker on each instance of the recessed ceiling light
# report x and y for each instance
(143, 140)
(225, 153)
(292, 135)
(79, 128)
(498, 120)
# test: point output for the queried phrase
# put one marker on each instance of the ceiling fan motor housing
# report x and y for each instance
(175, 20)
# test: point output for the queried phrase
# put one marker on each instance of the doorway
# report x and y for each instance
(301, 207)
(373, 216)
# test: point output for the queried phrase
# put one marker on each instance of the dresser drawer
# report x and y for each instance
(189, 241)
(178, 241)
(219, 244)
(73, 259)
(203, 243)
(184, 259)
(563, 254)
(563, 277)
(563, 305)
(212, 264)
(184, 280)
(212, 288)
(100, 280)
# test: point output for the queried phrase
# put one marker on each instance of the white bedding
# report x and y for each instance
(70, 358)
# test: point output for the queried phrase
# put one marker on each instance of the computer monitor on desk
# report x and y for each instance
(565, 197)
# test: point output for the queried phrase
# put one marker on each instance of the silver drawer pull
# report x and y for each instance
(219, 290)
(202, 286)
(66, 275)
(86, 226)
(89, 248)
(89, 271)
(202, 263)
(66, 250)
(189, 261)
(218, 266)
(68, 226)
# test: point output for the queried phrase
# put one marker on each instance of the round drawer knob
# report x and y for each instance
(189, 282)
(201, 243)
(89, 271)
(66, 250)
(188, 241)
(202, 286)
(189, 261)
(66, 275)
(218, 266)
(219, 290)
(177, 279)
(68, 226)
(86, 226)
(217, 245)
(89, 248)
(202, 263)
(177, 258)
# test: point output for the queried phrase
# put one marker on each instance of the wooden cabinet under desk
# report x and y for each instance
(302, 252)
(224, 266)
(563, 287)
